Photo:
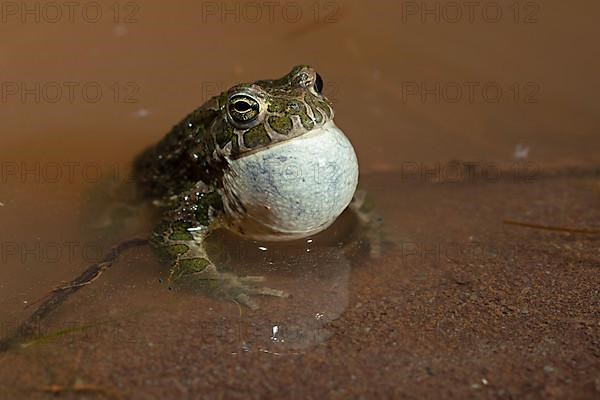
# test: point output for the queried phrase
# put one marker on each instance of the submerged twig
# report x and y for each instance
(57, 296)
(552, 228)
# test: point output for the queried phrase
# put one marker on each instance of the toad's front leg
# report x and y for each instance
(180, 241)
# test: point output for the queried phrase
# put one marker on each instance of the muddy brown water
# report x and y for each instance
(458, 127)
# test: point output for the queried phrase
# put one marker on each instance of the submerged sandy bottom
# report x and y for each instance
(450, 306)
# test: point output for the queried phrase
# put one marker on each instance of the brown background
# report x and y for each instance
(178, 54)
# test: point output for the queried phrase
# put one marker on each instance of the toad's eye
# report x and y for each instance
(319, 84)
(243, 108)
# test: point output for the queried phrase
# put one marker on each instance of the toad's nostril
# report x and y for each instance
(319, 84)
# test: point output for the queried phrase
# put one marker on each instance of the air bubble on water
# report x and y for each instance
(521, 152)
(275, 334)
(141, 113)
(263, 248)
(120, 30)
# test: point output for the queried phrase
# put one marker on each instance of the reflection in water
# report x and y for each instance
(315, 272)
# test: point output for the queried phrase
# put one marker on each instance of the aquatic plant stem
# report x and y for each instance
(57, 296)
(552, 228)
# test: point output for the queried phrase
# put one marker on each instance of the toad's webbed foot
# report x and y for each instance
(200, 274)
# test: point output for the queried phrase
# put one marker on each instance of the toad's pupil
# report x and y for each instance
(319, 84)
(242, 106)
